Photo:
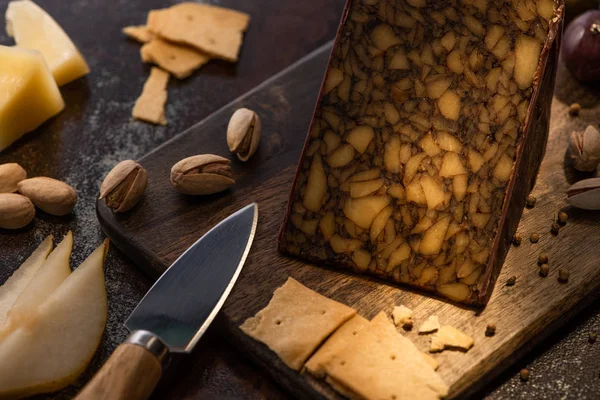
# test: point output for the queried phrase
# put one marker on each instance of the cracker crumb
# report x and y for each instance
(574, 109)
(430, 325)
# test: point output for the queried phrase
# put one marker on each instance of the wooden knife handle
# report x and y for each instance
(131, 373)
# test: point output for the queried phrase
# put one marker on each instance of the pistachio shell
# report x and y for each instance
(585, 149)
(10, 175)
(201, 175)
(243, 133)
(50, 195)
(16, 211)
(124, 185)
(585, 194)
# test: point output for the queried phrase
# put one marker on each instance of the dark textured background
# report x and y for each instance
(96, 131)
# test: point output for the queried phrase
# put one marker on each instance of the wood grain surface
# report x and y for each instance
(157, 231)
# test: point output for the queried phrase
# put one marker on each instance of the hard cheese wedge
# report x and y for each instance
(427, 137)
(28, 93)
(34, 29)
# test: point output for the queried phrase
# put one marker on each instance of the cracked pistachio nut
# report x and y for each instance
(585, 194)
(49, 195)
(585, 149)
(16, 211)
(202, 174)
(124, 186)
(10, 175)
(243, 133)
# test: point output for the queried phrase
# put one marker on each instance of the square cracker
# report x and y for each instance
(338, 340)
(139, 33)
(296, 321)
(150, 106)
(214, 30)
(380, 363)
(180, 60)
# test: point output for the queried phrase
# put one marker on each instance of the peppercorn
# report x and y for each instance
(407, 325)
(517, 239)
(511, 281)
(574, 110)
(543, 259)
(592, 337)
(490, 330)
(563, 275)
(544, 269)
(530, 201)
(555, 228)
(562, 218)
(535, 237)
(524, 374)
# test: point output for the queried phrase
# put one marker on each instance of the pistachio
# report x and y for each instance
(202, 174)
(585, 149)
(585, 194)
(16, 211)
(10, 175)
(243, 133)
(124, 186)
(49, 195)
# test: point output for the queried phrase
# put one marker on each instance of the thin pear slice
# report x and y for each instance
(55, 346)
(49, 276)
(17, 282)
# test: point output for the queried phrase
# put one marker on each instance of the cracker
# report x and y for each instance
(296, 321)
(380, 363)
(430, 325)
(401, 314)
(449, 337)
(337, 341)
(150, 106)
(180, 60)
(139, 33)
(432, 362)
(211, 29)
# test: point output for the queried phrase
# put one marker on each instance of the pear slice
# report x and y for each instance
(55, 346)
(49, 276)
(14, 286)
(34, 29)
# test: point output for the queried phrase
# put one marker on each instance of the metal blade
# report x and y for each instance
(186, 298)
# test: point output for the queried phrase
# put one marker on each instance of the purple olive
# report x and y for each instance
(581, 46)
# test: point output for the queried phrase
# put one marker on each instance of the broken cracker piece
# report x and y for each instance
(150, 106)
(214, 30)
(370, 366)
(449, 337)
(296, 321)
(431, 361)
(140, 33)
(338, 340)
(430, 325)
(401, 314)
(180, 60)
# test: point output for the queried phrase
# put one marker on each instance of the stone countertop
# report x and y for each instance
(96, 131)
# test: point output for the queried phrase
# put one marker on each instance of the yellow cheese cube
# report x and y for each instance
(28, 93)
(34, 29)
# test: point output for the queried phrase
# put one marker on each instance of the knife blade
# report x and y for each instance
(177, 309)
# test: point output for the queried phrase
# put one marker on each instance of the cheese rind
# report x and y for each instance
(28, 93)
(34, 29)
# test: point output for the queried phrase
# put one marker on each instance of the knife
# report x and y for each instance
(177, 310)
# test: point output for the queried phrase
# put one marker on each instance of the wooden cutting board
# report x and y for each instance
(165, 223)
